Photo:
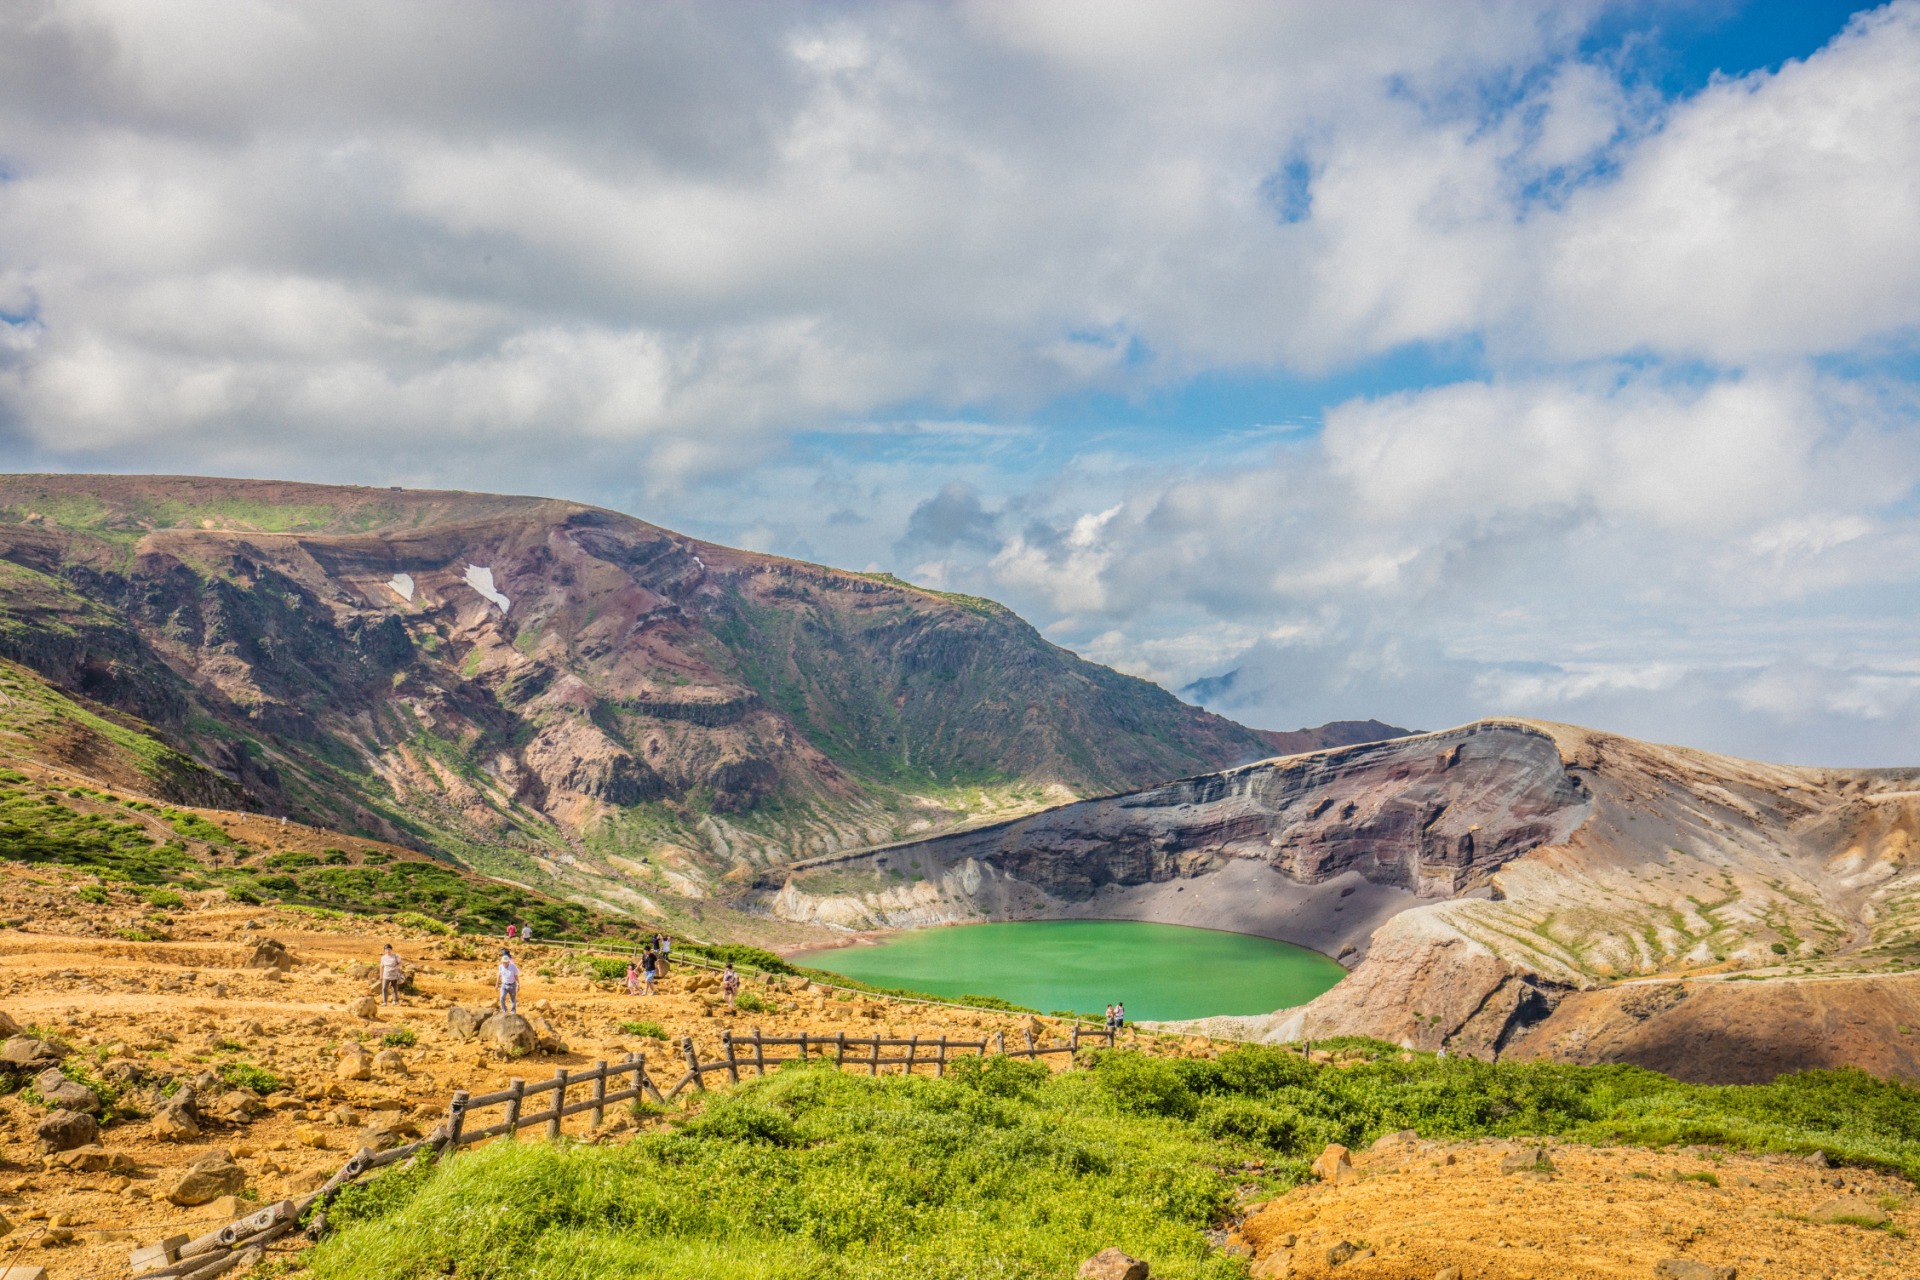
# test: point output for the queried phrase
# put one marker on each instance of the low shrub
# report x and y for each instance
(400, 1038)
(426, 924)
(739, 955)
(752, 1002)
(643, 1027)
(244, 1075)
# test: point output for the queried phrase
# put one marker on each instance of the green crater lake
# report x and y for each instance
(1161, 972)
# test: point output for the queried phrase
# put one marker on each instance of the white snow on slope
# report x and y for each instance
(481, 580)
(402, 584)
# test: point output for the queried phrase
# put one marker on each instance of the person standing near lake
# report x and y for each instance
(1119, 1016)
(509, 983)
(730, 983)
(392, 974)
(650, 968)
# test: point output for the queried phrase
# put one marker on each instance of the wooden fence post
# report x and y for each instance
(693, 1064)
(1110, 1034)
(759, 1054)
(456, 1119)
(840, 1050)
(733, 1064)
(803, 1046)
(1000, 1043)
(873, 1068)
(940, 1063)
(1073, 1047)
(599, 1112)
(559, 1103)
(913, 1051)
(1028, 1033)
(519, 1088)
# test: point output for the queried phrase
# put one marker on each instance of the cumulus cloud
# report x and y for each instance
(807, 275)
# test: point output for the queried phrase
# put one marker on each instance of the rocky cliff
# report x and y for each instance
(1475, 879)
(551, 690)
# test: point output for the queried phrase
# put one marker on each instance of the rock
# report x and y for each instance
(92, 1158)
(1447, 1273)
(1858, 1210)
(1531, 1160)
(1388, 1141)
(1334, 1165)
(510, 1033)
(50, 1079)
(547, 1037)
(465, 1023)
(1111, 1264)
(354, 1064)
(365, 1007)
(1688, 1269)
(65, 1130)
(237, 1105)
(270, 953)
(1342, 1252)
(308, 1135)
(208, 1179)
(1817, 1160)
(27, 1052)
(1277, 1265)
(306, 1180)
(71, 1095)
(226, 1207)
(389, 1062)
(175, 1123)
(8, 1027)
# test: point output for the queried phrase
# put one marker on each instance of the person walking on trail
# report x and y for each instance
(730, 983)
(666, 953)
(512, 932)
(633, 978)
(650, 968)
(509, 983)
(392, 974)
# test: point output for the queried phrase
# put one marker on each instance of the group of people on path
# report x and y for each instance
(652, 966)
(1116, 1016)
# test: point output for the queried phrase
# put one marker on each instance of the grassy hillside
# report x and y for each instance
(1003, 1170)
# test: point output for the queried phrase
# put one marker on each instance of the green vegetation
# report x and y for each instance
(750, 1002)
(643, 1027)
(739, 955)
(400, 1038)
(1003, 1170)
(244, 1075)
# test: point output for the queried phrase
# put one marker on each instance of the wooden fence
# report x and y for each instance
(243, 1240)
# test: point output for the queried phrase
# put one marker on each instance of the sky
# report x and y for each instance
(1317, 360)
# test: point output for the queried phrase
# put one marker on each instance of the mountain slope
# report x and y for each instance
(541, 686)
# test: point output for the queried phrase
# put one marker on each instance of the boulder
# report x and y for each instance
(1277, 1265)
(92, 1158)
(175, 1124)
(388, 1062)
(1688, 1269)
(208, 1179)
(510, 1033)
(1341, 1252)
(1858, 1210)
(465, 1023)
(298, 1184)
(1531, 1160)
(8, 1027)
(270, 953)
(237, 1106)
(1393, 1141)
(1335, 1164)
(65, 1130)
(71, 1095)
(28, 1053)
(226, 1207)
(354, 1064)
(365, 1007)
(1111, 1264)
(547, 1037)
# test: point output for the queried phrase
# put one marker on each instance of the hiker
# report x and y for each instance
(526, 935)
(509, 983)
(633, 978)
(1119, 1015)
(512, 933)
(730, 983)
(650, 968)
(392, 974)
(666, 953)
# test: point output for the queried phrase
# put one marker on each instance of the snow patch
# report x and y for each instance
(481, 580)
(402, 585)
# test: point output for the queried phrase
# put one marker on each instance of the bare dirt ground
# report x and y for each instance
(1414, 1209)
(160, 1012)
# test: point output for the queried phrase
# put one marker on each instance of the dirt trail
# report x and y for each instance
(1603, 1214)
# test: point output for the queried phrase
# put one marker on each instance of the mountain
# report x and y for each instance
(548, 690)
(1508, 887)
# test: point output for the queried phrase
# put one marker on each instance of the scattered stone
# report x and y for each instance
(208, 1179)
(1531, 1160)
(28, 1053)
(19, 1272)
(71, 1095)
(311, 1136)
(1817, 1160)
(297, 1184)
(237, 1106)
(1277, 1265)
(92, 1158)
(65, 1130)
(1688, 1269)
(1342, 1252)
(1857, 1210)
(1388, 1141)
(354, 1064)
(1334, 1165)
(510, 1033)
(365, 1007)
(1111, 1264)
(465, 1023)
(389, 1062)
(270, 953)
(1447, 1273)
(175, 1122)
(226, 1207)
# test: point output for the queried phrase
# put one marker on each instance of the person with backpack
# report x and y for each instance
(509, 983)
(730, 984)
(392, 974)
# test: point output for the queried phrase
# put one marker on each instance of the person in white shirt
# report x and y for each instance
(509, 983)
(392, 974)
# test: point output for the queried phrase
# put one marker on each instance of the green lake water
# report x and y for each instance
(1159, 971)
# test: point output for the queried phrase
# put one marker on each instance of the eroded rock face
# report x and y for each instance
(1431, 816)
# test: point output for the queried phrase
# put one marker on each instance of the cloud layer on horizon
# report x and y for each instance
(811, 279)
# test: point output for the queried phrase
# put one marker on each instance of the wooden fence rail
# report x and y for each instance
(243, 1239)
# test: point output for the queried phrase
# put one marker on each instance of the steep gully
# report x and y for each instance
(1506, 887)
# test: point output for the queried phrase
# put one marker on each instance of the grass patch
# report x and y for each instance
(1004, 1170)
(643, 1027)
(244, 1075)
(400, 1038)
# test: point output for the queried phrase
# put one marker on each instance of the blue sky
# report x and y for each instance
(1326, 360)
